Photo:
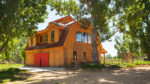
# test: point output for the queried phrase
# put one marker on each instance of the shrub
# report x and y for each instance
(92, 65)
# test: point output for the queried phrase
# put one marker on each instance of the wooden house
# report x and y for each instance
(63, 42)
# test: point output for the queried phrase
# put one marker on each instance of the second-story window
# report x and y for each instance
(78, 37)
(89, 38)
(84, 37)
(52, 36)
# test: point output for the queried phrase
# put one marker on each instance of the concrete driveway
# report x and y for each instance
(40, 69)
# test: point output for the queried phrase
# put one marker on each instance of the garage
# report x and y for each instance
(41, 59)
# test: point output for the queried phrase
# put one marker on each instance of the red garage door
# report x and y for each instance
(41, 59)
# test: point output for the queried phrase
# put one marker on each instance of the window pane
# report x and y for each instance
(78, 36)
(40, 39)
(31, 41)
(74, 55)
(46, 38)
(84, 37)
(89, 38)
(84, 55)
(52, 36)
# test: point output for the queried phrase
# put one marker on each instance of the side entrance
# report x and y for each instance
(41, 59)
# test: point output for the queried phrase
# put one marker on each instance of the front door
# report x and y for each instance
(41, 59)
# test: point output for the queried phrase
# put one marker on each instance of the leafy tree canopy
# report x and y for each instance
(19, 18)
(134, 19)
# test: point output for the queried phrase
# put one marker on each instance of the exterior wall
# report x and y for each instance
(63, 56)
(56, 56)
(71, 45)
(36, 38)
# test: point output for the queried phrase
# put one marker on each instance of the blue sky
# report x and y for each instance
(108, 46)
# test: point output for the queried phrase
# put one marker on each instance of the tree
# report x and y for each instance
(134, 19)
(99, 12)
(19, 18)
(126, 44)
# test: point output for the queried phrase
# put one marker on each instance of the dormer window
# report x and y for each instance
(44, 39)
(52, 36)
(31, 40)
(40, 39)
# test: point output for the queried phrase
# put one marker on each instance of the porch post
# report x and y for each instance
(104, 58)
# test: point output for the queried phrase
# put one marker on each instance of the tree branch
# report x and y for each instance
(3, 47)
(87, 4)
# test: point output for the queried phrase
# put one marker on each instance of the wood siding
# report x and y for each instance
(63, 55)
(56, 56)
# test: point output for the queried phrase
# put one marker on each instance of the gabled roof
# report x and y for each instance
(65, 23)
(62, 38)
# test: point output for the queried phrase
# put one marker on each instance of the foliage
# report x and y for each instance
(126, 44)
(85, 65)
(14, 51)
(134, 19)
(142, 62)
(18, 18)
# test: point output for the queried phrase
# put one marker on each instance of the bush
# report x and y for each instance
(92, 66)
(114, 66)
(141, 62)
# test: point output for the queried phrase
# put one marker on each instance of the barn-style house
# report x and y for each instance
(62, 43)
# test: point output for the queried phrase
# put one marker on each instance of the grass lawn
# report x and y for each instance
(7, 66)
(11, 72)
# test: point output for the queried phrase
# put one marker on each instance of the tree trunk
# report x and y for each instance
(3, 47)
(148, 56)
(94, 44)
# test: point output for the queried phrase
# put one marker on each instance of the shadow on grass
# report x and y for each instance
(13, 74)
(99, 66)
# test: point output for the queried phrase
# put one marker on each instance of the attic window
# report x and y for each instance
(31, 41)
(40, 39)
(52, 36)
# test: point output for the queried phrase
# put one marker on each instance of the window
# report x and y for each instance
(84, 55)
(89, 38)
(40, 39)
(31, 41)
(84, 37)
(78, 37)
(52, 36)
(46, 38)
(74, 55)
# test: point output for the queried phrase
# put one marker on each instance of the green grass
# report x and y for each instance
(11, 72)
(116, 64)
(7, 66)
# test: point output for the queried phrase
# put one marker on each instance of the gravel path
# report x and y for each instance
(139, 75)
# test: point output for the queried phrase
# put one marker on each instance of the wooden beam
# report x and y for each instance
(104, 58)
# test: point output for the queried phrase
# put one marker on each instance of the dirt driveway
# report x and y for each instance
(124, 76)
